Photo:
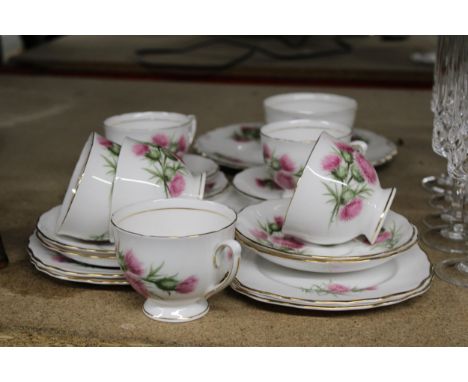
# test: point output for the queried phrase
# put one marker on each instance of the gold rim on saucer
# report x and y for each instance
(91, 275)
(66, 251)
(257, 247)
(261, 297)
(68, 247)
(86, 280)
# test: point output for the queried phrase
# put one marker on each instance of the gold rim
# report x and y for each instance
(80, 178)
(326, 129)
(330, 308)
(385, 159)
(78, 279)
(43, 237)
(52, 268)
(344, 302)
(79, 255)
(383, 215)
(326, 259)
(179, 208)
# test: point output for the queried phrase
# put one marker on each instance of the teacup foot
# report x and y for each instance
(175, 313)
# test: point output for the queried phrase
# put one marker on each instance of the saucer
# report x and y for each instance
(259, 227)
(59, 267)
(407, 276)
(235, 146)
(380, 150)
(57, 263)
(215, 185)
(198, 164)
(232, 147)
(256, 182)
(46, 229)
(233, 199)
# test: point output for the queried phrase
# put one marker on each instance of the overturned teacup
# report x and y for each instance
(287, 146)
(338, 196)
(176, 253)
(173, 131)
(85, 211)
(146, 171)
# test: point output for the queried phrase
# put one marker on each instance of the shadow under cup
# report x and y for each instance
(176, 253)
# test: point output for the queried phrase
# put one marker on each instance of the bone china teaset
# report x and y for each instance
(140, 210)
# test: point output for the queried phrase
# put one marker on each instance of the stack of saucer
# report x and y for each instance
(335, 244)
(66, 258)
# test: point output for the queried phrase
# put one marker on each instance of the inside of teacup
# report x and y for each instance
(149, 120)
(304, 133)
(77, 175)
(176, 221)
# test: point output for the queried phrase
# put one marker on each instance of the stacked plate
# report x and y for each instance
(281, 269)
(67, 258)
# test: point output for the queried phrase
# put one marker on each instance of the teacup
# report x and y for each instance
(177, 253)
(338, 196)
(287, 146)
(146, 171)
(322, 106)
(173, 131)
(85, 211)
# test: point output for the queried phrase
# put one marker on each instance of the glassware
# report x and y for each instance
(449, 104)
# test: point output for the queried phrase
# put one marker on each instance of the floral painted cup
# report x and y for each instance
(316, 106)
(85, 211)
(338, 196)
(287, 146)
(177, 253)
(173, 131)
(146, 171)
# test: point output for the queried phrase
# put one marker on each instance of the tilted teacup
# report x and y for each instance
(176, 253)
(287, 146)
(322, 106)
(338, 196)
(146, 171)
(173, 131)
(85, 211)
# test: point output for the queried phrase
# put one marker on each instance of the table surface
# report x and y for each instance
(370, 59)
(44, 122)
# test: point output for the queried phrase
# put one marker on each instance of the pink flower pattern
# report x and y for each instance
(286, 163)
(351, 210)
(104, 141)
(140, 149)
(350, 175)
(161, 140)
(336, 289)
(284, 180)
(134, 272)
(367, 170)
(176, 186)
(271, 233)
(177, 146)
(331, 162)
(266, 151)
(187, 286)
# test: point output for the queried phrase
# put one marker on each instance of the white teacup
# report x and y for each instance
(287, 146)
(338, 196)
(85, 211)
(177, 253)
(173, 131)
(322, 106)
(146, 171)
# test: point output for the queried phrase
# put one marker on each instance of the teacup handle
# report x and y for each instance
(235, 251)
(193, 128)
(360, 146)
